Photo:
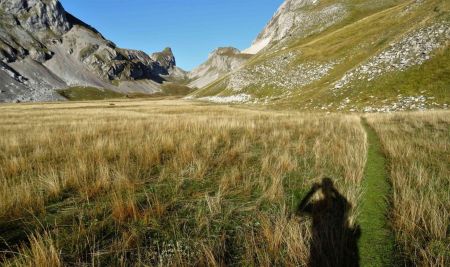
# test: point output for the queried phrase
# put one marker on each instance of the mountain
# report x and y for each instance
(165, 58)
(220, 62)
(44, 48)
(297, 19)
(354, 55)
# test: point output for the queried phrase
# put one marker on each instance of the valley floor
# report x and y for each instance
(176, 183)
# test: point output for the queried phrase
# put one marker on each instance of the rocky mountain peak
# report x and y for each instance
(165, 58)
(224, 51)
(168, 51)
(38, 16)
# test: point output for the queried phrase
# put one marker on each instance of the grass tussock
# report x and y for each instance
(42, 251)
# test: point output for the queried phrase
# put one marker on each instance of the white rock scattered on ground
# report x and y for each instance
(279, 72)
(233, 99)
(414, 49)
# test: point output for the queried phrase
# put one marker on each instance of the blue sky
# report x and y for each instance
(193, 28)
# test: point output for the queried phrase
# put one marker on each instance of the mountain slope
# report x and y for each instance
(44, 48)
(220, 62)
(296, 19)
(348, 55)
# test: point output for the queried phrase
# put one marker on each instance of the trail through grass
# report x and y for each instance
(377, 242)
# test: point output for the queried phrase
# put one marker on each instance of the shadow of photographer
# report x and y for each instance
(334, 241)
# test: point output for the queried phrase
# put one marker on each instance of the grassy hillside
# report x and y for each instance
(378, 57)
(143, 183)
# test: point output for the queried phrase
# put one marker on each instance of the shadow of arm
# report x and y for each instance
(305, 206)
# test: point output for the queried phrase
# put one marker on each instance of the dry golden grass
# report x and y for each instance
(179, 183)
(167, 182)
(417, 146)
(42, 251)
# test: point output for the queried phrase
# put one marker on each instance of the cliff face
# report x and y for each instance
(220, 62)
(296, 19)
(50, 49)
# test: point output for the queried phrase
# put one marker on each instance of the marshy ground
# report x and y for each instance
(170, 182)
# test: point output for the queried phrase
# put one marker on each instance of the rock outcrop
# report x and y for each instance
(165, 58)
(42, 18)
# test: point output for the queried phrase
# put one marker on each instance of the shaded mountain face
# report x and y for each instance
(43, 48)
(354, 55)
(220, 62)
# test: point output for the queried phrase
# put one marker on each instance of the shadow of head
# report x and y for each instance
(327, 186)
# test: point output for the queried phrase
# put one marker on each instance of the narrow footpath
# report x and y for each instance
(376, 245)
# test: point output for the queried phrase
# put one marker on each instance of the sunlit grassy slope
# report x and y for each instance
(369, 28)
(138, 183)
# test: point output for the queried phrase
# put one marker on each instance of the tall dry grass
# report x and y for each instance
(167, 182)
(417, 146)
(42, 251)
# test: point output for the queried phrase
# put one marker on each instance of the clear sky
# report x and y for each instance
(192, 28)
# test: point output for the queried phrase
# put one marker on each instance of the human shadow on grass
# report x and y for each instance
(334, 241)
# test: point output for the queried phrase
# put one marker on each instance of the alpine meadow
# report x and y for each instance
(325, 143)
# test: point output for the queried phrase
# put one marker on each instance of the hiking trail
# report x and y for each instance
(376, 245)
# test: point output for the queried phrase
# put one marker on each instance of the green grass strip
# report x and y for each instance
(376, 245)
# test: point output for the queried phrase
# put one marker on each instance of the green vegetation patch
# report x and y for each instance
(88, 93)
(175, 89)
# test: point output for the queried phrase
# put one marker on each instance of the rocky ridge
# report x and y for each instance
(220, 62)
(297, 19)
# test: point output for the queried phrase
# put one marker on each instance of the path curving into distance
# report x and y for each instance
(376, 245)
